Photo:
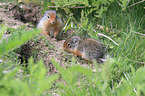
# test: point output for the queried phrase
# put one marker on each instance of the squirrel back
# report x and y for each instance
(51, 24)
(88, 49)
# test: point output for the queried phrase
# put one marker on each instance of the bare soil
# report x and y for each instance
(16, 15)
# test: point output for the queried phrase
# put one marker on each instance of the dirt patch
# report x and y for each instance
(10, 21)
(24, 13)
(13, 15)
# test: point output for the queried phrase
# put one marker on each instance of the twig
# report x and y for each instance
(126, 77)
(106, 37)
(132, 60)
(54, 6)
(1, 61)
(136, 61)
(120, 4)
(136, 3)
(1, 9)
(129, 82)
(138, 33)
(71, 7)
(119, 83)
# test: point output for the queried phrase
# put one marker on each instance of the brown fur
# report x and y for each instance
(51, 25)
(88, 49)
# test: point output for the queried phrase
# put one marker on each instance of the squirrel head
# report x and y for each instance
(72, 43)
(51, 16)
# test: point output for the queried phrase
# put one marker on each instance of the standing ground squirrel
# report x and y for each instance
(51, 25)
(88, 49)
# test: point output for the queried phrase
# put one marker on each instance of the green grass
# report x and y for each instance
(122, 75)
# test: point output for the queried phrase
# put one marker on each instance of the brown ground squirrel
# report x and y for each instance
(88, 49)
(51, 25)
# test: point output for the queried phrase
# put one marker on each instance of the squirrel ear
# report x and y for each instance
(75, 40)
(45, 13)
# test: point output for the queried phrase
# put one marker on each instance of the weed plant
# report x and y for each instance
(123, 75)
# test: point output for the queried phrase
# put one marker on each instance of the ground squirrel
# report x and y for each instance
(88, 49)
(51, 25)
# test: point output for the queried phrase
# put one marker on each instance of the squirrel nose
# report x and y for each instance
(53, 22)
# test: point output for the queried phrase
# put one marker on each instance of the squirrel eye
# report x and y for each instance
(68, 44)
(47, 16)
